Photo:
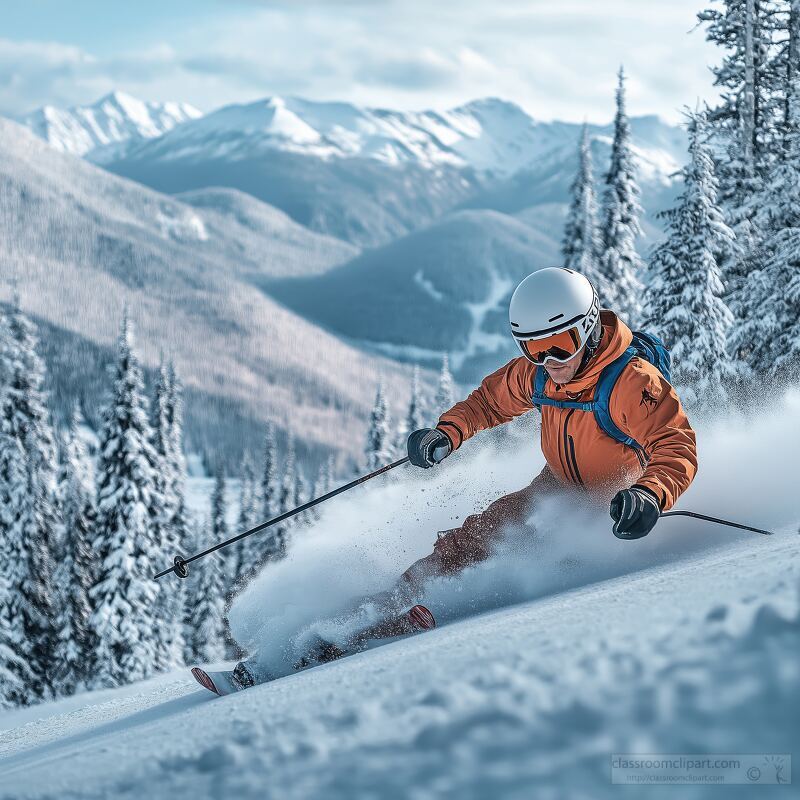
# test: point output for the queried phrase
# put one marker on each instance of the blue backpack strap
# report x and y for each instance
(539, 398)
(602, 400)
(649, 347)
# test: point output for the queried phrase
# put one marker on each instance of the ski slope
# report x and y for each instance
(692, 657)
(562, 650)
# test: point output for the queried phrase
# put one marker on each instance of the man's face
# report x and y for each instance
(564, 373)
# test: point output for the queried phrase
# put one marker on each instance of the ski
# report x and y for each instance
(415, 620)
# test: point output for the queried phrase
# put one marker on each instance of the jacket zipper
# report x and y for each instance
(569, 452)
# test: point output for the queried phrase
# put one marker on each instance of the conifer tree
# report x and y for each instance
(37, 601)
(446, 391)
(28, 515)
(219, 525)
(16, 675)
(684, 297)
(378, 449)
(179, 522)
(323, 483)
(124, 598)
(276, 545)
(167, 629)
(415, 418)
(206, 627)
(582, 246)
(75, 573)
(620, 265)
(302, 494)
(248, 518)
(767, 326)
(269, 476)
(744, 117)
(746, 123)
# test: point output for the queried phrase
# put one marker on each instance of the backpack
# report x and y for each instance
(645, 346)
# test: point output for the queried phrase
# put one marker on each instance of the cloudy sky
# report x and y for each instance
(556, 59)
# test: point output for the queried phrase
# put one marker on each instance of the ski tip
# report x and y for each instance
(204, 680)
(421, 618)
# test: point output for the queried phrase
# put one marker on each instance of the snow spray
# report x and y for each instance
(363, 541)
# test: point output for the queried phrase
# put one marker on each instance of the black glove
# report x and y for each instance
(428, 446)
(635, 512)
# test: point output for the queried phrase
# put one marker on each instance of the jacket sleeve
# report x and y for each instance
(646, 407)
(503, 395)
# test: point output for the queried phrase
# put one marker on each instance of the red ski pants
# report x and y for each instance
(461, 547)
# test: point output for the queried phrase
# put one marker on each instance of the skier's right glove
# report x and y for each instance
(428, 446)
(635, 512)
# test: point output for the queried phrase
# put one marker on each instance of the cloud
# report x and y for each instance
(423, 71)
(556, 60)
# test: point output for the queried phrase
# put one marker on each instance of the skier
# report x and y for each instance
(612, 428)
(612, 425)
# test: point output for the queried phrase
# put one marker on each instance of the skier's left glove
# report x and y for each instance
(428, 446)
(635, 512)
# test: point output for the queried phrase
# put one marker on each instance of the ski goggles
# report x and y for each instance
(559, 347)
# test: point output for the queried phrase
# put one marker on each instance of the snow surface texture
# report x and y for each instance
(684, 642)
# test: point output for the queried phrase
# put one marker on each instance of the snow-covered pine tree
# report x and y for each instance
(206, 632)
(620, 264)
(38, 602)
(269, 476)
(228, 559)
(379, 450)
(16, 674)
(582, 246)
(219, 525)
(28, 515)
(302, 494)
(179, 523)
(765, 333)
(124, 598)
(274, 545)
(745, 116)
(683, 302)
(261, 547)
(248, 518)
(322, 485)
(167, 631)
(748, 125)
(446, 390)
(194, 538)
(75, 573)
(415, 418)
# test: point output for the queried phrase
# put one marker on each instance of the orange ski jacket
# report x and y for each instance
(643, 404)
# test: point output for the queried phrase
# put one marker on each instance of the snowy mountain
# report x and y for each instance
(489, 136)
(459, 272)
(117, 117)
(370, 175)
(81, 244)
(549, 659)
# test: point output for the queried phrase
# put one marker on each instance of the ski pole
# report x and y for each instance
(714, 519)
(179, 565)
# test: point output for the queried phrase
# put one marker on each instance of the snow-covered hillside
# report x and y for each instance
(683, 642)
(189, 277)
(460, 272)
(117, 117)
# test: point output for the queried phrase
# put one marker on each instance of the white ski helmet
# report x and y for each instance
(553, 313)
